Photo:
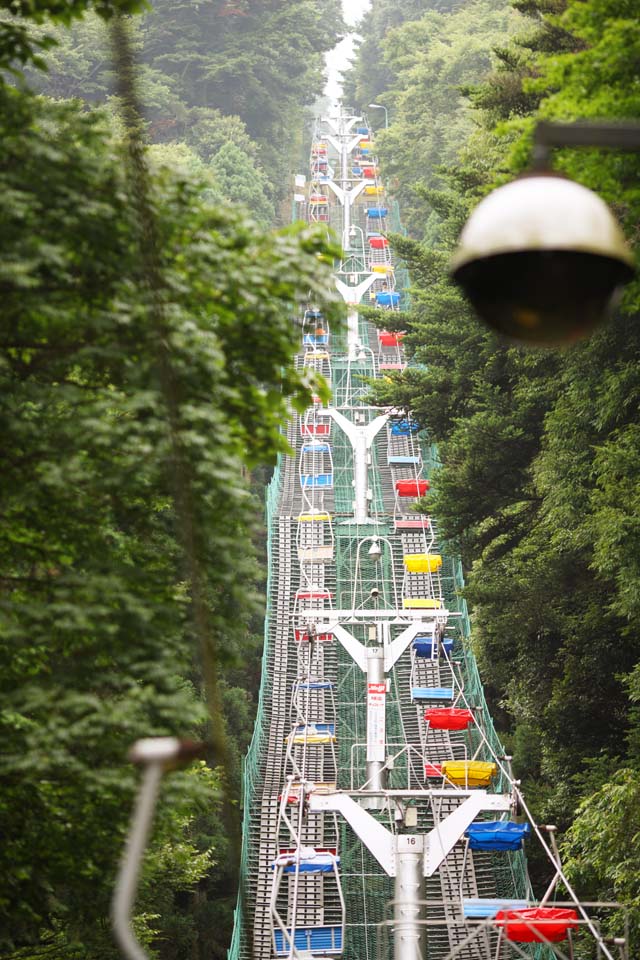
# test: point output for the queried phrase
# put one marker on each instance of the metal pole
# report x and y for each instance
(376, 724)
(408, 899)
(127, 879)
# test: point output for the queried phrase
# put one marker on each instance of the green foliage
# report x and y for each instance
(20, 44)
(110, 388)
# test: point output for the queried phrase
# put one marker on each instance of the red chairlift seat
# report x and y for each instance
(433, 770)
(378, 243)
(448, 718)
(390, 339)
(537, 924)
(302, 635)
(411, 488)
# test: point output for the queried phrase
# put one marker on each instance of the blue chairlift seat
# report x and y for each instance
(314, 685)
(316, 448)
(319, 861)
(316, 480)
(316, 940)
(432, 693)
(356, 171)
(480, 908)
(497, 835)
(363, 130)
(423, 646)
(387, 298)
(314, 339)
(403, 428)
(398, 461)
(378, 212)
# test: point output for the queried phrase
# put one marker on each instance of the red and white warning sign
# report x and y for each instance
(376, 735)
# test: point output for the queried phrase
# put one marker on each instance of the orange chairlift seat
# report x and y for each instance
(537, 924)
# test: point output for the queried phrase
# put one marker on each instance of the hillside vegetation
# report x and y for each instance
(146, 324)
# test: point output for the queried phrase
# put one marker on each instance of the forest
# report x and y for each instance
(149, 277)
(539, 483)
(146, 322)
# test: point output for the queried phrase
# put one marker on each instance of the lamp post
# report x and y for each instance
(380, 106)
(542, 259)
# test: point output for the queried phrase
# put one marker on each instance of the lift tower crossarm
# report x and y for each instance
(437, 844)
(343, 194)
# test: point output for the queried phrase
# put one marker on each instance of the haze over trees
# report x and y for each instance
(540, 480)
(146, 323)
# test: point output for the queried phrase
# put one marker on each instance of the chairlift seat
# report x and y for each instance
(423, 646)
(315, 429)
(403, 461)
(404, 427)
(378, 243)
(312, 684)
(310, 860)
(411, 488)
(469, 773)
(537, 924)
(432, 693)
(421, 603)
(316, 480)
(303, 636)
(497, 835)
(433, 769)
(312, 734)
(378, 213)
(318, 941)
(483, 908)
(389, 339)
(448, 718)
(412, 523)
(316, 447)
(422, 562)
(387, 298)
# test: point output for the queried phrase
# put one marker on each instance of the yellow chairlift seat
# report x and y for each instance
(372, 191)
(421, 603)
(314, 518)
(317, 355)
(422, 562)
(469, 773)
(382, 268)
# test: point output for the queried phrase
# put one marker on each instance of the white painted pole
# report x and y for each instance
(408, 939)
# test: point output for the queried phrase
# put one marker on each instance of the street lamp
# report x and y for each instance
(380, 106)
(542, 259)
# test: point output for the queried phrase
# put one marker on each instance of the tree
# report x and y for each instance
(114, 386)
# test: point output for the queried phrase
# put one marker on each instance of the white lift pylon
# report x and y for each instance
(361, 438)
(407, 857)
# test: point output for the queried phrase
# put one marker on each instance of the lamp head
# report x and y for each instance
(375, 550)
(542, 259)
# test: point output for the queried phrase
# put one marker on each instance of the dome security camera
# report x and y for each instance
(374, 593)
(542, 259)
